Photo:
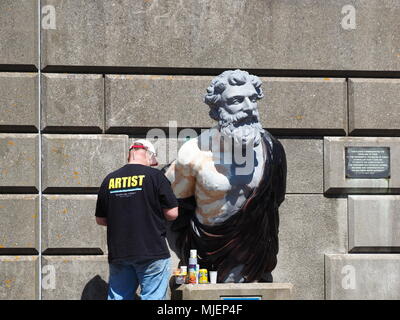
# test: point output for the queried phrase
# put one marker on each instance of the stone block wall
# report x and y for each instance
(80, 79)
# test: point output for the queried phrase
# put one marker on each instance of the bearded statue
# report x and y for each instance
(230, 182)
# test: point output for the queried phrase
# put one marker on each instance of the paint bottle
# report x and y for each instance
(192, 276)
(192, 267)
(181, 275)
(192, 263)
(192, 273)
(203, 276)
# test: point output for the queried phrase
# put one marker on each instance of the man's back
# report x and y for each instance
(132, 199)
(134, 202)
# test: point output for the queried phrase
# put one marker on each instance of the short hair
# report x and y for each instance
(218, 85)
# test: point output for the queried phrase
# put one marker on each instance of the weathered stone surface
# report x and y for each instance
(311, 105)
(304, 165)
(19, 102)
(77, 277)
(19, 162)
(362, 276)
(153, 101)
(19, 227)
(19, 278)
(335, 180)
(18, 32)
(68, 223)
(72, 102)
(291, 105)
(374, 106)
(225, 34)
(265, 291)
(74, 162)
(310, 226)
(374, 223)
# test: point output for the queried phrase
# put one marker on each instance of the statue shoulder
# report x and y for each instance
(188, 152)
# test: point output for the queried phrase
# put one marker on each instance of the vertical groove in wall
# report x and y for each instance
(348, 106)
(323, 193)
(104, 104)
(324, 278)
(40, 149)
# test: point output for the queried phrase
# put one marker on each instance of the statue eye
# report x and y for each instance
(236, 100)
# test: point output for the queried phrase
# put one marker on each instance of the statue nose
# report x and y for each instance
(248, 105)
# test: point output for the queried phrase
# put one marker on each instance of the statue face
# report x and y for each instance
(240, 100)
(239, 118)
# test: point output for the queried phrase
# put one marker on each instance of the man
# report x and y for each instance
(134, 202)
(229, 202)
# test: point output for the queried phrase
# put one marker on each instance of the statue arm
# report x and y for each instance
(183, 184)
(182, 179)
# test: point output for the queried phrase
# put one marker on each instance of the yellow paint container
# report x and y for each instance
(203, 276)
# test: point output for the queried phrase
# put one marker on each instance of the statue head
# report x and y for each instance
(232, 97)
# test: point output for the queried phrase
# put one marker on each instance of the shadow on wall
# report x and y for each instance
(95, 289)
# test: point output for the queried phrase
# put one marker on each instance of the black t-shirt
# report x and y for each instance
(132, 199)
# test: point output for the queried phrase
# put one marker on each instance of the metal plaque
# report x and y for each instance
(367, 162)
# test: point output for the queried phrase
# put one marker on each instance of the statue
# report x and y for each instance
(228, 203)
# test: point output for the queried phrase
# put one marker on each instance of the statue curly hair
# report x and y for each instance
(234, 78)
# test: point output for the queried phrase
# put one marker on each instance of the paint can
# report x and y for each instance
(203, 277)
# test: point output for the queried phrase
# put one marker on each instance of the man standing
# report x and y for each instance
(134, 202)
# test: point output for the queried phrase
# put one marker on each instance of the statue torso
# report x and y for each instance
(220, 186)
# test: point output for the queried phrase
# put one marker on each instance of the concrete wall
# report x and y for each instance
(110, 71)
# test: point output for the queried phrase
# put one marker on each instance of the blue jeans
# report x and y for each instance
(152, 275)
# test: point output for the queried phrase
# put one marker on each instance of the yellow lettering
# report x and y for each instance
(117, 182)
(111, 184)
(134, 181)
(124, 182)
(141, 179)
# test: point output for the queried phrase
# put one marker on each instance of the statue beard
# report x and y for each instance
(244, 129)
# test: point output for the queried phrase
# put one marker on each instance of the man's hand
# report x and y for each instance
(101, 221)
